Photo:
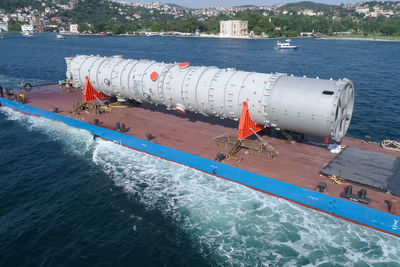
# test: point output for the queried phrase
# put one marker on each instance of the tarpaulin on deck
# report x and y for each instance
(378, 170)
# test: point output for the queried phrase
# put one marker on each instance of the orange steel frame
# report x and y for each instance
(90, 94)
(246, 123)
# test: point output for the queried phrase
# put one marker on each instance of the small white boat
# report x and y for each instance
(60, 37)
(285, 45)
(150, 34)
(27, 34)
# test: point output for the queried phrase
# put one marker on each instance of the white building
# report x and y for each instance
(27, 28)
(233, 28)
(308, 12)
(35, 20)
(73, 28)
(3, 26)
(362, 9)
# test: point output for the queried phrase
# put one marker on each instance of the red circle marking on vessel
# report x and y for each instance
(153, 76)
(184, 65)
(180, 110)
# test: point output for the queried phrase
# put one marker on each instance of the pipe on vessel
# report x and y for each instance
(299, 104)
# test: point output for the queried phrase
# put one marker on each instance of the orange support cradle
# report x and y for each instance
(246, 123)
(90, 94)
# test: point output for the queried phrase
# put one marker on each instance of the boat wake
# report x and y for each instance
(232, 224)
(8, 82)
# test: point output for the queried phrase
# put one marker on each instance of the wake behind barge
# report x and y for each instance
(197, 141)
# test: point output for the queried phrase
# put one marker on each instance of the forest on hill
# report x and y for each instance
(288, 20)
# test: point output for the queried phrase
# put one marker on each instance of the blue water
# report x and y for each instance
(66, 199)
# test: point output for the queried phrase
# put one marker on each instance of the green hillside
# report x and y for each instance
(306, 5)
(12, 5)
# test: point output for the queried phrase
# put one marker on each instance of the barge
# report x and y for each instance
(291, 170)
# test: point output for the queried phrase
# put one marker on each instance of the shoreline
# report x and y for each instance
(216, 36)
(371, 39)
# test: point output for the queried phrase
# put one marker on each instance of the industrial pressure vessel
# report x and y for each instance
(299, 104)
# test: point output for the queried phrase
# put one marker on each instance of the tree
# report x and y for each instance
(116, 29)
(388, 29)
(83, 27)
(189, 25)
(98, 26)
(14, 26)
(265, 25)
(155, 27)
(12, 5)
(131, 27)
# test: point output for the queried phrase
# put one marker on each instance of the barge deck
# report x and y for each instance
(297, 163)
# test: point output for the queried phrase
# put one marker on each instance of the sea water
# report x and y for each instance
(67, 199)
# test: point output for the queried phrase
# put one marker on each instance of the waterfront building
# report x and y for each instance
(73, 28)
(26, 28)
(233, 28)
(3, 26)
(35, 20)
(3, 23)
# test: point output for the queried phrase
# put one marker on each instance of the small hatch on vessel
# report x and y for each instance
(327, 92)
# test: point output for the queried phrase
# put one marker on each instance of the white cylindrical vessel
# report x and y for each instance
(304, 105)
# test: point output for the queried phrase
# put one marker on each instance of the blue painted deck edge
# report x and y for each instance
(335, 206)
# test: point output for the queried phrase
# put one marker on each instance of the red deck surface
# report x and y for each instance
(297, 164)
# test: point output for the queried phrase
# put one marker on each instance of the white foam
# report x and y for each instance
(239, 224)
(233, 224)
(14, 83)
(76, 140)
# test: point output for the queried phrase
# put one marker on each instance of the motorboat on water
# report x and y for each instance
(60, 36)
(286, 45)
(27, 34)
